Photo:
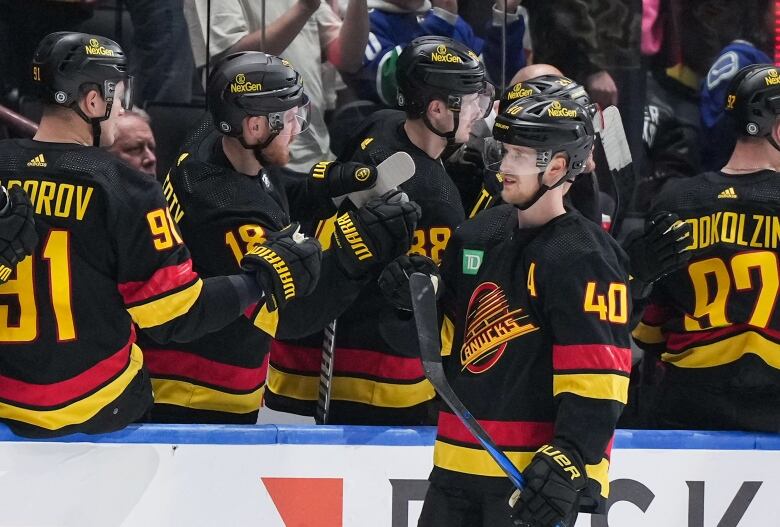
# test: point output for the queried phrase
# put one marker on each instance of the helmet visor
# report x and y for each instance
(509, 159)
(120, 91)
(293, 121)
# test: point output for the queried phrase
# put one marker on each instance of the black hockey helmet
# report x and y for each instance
(548, 125)
(551, 86)
(252, 83)
(440, 68)
(65, 61)
(753, 100)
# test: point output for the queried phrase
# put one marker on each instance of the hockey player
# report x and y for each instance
(229, 192)
(17, 230)
(110, 257)
(537, 297)
(714, 324)
(378, 376)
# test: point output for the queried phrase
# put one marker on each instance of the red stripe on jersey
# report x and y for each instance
(681, 341)
(60, 393)
(508, 434)
(347, 361)
(657, 315)
(591, 357)
(163, 280)
(188, 366)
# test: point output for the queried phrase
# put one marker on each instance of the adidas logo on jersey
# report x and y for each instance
(728, 193)
(37, 161)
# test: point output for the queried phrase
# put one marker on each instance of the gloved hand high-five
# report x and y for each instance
(394, 280)
(554, 479)
(286, 266)
(376, 233)
(330, 179)
(18, 236)
(658, 251)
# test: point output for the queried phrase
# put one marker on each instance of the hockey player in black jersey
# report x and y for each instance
(378, 376)
(714, 325)
(109, 259)
(228, 193)
(17, 230)
(536, 339)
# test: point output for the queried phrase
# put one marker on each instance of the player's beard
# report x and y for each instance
(276, 154)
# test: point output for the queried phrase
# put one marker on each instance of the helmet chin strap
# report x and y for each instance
(94, 122)
(541, 192)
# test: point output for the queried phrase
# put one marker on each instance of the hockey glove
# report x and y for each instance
(286, 266)
(554, 480)
(330, 179)
(658, 251)
(376, 233)
(394, 280)
(18, 236)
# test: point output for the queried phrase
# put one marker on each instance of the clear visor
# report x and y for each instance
(120, 91)
(293, 121)
(513, 160)
(480, 103)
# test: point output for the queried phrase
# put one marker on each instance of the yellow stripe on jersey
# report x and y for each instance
(266, 320)
(647, 334)
(81, 410)
(727, 351)
(386, 395)
(166, 308)
(447, 336)
(600, 473)
(198, 397)
(592, 385)
(482, 202)
(475, 460)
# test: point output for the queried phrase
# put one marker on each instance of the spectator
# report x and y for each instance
(134, 142)
(395, 23)
(301, 31)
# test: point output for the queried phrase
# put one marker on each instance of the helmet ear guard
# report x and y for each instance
(753, 100)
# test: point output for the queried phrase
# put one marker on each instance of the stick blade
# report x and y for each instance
(425, 316)
(613, 139)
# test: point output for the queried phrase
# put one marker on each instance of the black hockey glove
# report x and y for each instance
(554, 480)
(376, 233)
(329, 179)
(658, 251)
(286, 266)
(394, 279)
(18, 236)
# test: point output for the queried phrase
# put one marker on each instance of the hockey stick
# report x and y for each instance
(424, 306)
(619, 162)
(393, 171)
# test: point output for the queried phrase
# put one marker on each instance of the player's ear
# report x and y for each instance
(436, 108)
(255, 128)
(92, 103)
(556, 169)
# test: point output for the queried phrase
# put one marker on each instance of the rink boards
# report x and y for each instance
(293, 476)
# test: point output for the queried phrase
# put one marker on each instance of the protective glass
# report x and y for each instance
(484, 99)
(515, 161)
(293, 121)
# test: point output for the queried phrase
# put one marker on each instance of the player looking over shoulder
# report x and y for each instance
(229, 192)
(537, 297)
(713, 324)
(109, 259)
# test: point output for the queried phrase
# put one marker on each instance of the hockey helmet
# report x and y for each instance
(753, 99)
(440, 68)
(552, 86)
(65, 61)
(252, 83)
(549, 126)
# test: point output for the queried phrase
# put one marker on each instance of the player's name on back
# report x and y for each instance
(746, 230)
(63, 200)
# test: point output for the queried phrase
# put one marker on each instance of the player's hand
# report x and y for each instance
(286, 266)
(330, 179)
(376, 233)
(660, 249)
(394, 279)
(18, 236)
(554, 480)
(602, 89)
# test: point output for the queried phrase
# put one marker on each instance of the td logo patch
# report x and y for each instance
(472, 260)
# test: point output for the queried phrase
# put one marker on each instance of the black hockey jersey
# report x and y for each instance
(378, 376)
(222, 214)
(536, 345)
(110, 257)
(715, 323)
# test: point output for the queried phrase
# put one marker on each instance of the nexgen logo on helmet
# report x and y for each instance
(519, 91)
(556, 110)
(94, 48)
(242, 86)
(442, 55)
(772, 79)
